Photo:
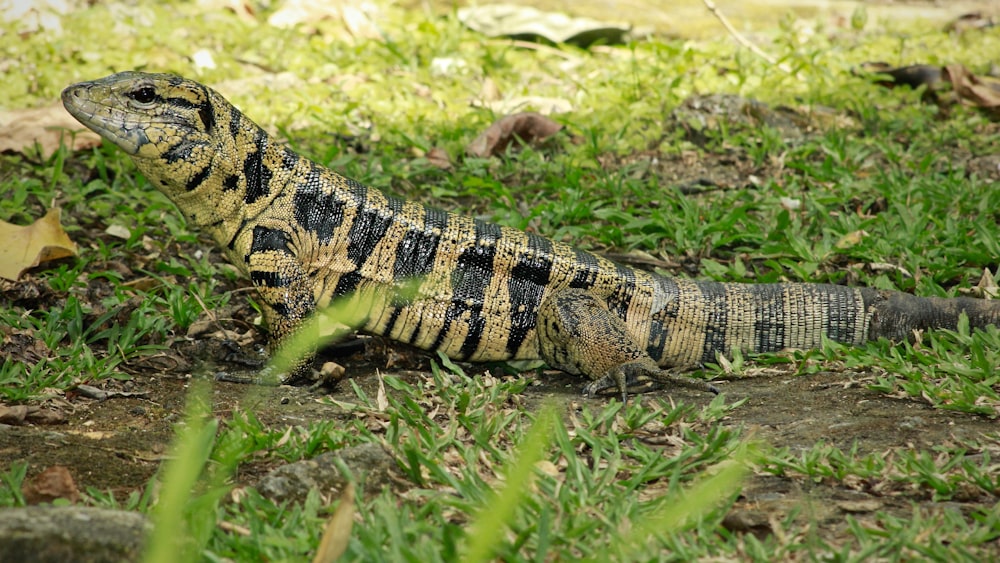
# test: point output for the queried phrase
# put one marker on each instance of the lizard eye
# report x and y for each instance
(143, 95)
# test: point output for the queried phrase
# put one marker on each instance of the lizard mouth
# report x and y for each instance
(83, 101)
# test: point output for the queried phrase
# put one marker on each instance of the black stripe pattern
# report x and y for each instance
(257, 175)
(369, 227)
(525, 285)
(469, 282)
(716, 315)
(316, 210)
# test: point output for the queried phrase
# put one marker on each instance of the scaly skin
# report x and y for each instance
(305, 234)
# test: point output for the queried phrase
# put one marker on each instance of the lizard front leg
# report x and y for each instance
(286, 294)
(578, 334)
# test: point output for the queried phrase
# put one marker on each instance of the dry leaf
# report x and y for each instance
(244, 10)
(523, 22)
(979, 92)
(27, 247)
(358, 23)
(118, 231)
(381, 399)
(332, 371)
(987, 286)
(21, 130)
(439, 158)
(527, 127)
(972, 21)
(338, 529)
(36, 15)
(52, 483)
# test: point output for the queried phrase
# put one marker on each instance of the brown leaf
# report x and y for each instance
(439, 158)
(27, 247)
(527, 127)
(52, 483)
(47, 126)
(980, 92)
(338, 529)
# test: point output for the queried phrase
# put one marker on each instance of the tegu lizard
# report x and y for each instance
(305, 235)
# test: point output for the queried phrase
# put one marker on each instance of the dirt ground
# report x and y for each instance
(117, 444)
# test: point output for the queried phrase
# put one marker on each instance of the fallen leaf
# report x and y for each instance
(36, 15)
(887, 267)
(527, 127)
(980, 92)
(439, 158)
(358, 23)
(53, 483)
(331, 371)
(986, 288)
(118, 231)
(522, 22)
(46, 127)
(243, 10)
(381, 399)
(338, 529)
(971, 21)
(28, 246)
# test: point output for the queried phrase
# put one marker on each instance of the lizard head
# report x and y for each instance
(167, 124)
(188, 141)
(146, 115)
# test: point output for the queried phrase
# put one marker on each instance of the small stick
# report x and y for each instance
(743, 40)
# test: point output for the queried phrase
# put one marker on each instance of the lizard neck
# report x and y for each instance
(220, 181)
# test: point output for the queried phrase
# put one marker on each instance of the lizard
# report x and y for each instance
(305, 235)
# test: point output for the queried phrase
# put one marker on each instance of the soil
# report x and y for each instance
(117, 444)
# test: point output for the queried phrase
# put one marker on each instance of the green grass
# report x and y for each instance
(886, 189)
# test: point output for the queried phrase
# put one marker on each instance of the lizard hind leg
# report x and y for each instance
(578, 334)
(638, 372)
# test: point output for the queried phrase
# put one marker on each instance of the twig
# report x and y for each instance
(743, 40)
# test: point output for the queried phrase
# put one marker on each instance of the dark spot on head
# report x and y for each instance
(199, 178)
(231, 183)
